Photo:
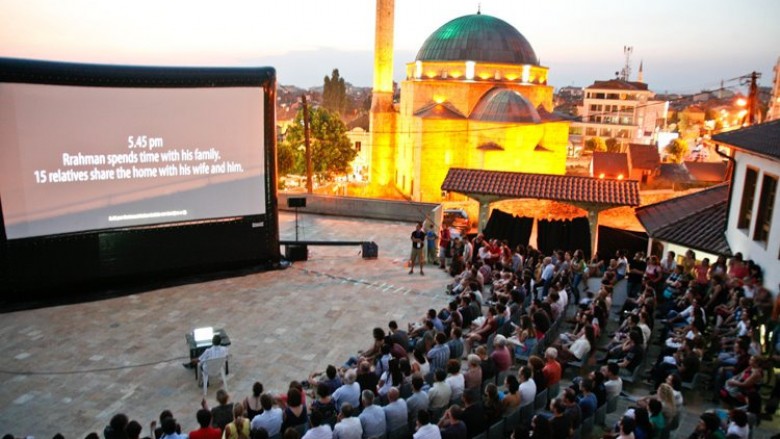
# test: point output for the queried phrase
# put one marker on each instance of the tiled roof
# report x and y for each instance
(643, 156)
(611, 164)
(445, 110)
(697, 220)
(713, 172)
(619, 84)
(763, 139)
(542, 186)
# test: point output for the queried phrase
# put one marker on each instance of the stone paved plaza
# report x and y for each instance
(69, 368)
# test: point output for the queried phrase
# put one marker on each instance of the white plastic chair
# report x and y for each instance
(213, 367)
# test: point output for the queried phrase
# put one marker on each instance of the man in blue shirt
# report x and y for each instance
(588, 400)
(372, 418)
(439, 353)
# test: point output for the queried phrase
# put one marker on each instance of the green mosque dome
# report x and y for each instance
(479, 38)
(505, 105)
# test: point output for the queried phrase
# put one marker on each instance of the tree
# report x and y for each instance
(596, 144)
(613, 145)
(334, 93)
(676, 150)
(331, 149)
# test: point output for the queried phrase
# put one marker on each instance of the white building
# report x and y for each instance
(752, 227)
(624, 110)
(734, 217)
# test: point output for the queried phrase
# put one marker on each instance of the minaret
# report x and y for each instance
(640, 77)
(382, 120)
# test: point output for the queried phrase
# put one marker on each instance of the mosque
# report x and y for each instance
(475, 97)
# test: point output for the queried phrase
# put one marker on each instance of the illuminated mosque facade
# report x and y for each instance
(475, 97)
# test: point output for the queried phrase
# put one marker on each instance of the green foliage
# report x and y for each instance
(285, 158)
(331, 149)
(613, 145)
(596, 144)
(676, 150)
(334, 93)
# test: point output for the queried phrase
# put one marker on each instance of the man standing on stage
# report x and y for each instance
(418, 243)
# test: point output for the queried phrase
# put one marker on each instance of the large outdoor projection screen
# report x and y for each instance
(88, 158)
(110, 171)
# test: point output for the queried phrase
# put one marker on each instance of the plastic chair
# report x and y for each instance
(553, 391)
(496, 431)
(695, 383)
(600, 417)
(540, 402)
(587, 426)
(511, 420)
(399, 433)
(526, 414)
(213, 367)
(612, 404)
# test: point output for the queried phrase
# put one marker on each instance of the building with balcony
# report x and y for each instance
(623, 110)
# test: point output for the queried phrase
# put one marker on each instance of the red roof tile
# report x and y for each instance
(697, 220)
(643, 156)
(611, 164)
(714, 172)
(542, 186)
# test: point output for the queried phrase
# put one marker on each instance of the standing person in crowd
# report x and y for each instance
(430, 240)
(418, 243)
(444, 246)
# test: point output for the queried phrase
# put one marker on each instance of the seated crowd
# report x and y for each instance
(451, 375)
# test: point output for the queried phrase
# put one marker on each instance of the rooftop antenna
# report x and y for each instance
(625, 74)
(479, 8)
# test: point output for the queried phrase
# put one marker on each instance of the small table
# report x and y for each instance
(197, 348)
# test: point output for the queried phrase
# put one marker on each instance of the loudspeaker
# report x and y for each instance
(370, 250)
(296, 202)
(296, 252)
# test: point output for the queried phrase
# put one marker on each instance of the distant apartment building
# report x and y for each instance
(773, 112)
(623, 110)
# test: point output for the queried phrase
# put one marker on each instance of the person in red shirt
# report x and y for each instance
(206, 431)
(552, 368)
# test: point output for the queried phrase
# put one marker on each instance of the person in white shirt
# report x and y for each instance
(613, 383)
(348, 427)
(455, 380)
(426, 430)
(739, 424)
(318, 430)
(527, 386)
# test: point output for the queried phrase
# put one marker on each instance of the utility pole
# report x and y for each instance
(307, 142)
(752, 104)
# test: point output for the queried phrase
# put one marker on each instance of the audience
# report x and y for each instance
(455, 354)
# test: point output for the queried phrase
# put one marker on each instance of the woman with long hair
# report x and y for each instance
(239, 428)
(252, 405)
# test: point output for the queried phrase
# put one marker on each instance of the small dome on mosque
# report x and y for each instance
(480, 38)
(504, 105)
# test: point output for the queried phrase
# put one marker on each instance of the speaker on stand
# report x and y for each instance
(298, 252)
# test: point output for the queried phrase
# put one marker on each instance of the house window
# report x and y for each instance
(766, 205)
(357, 146)
(748, 195)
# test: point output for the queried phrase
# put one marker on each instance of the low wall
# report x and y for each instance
(361, 207)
